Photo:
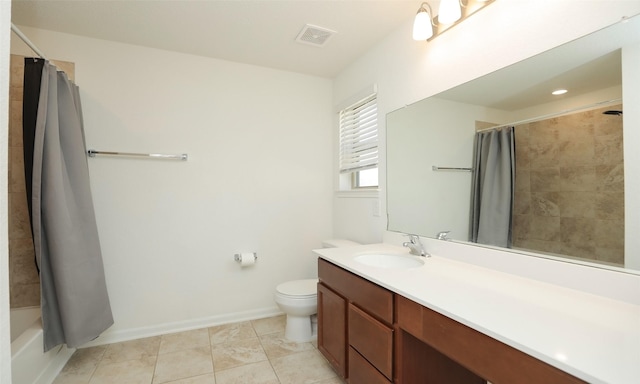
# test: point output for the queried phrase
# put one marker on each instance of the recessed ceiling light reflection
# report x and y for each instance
(559, 92)
(561, 356)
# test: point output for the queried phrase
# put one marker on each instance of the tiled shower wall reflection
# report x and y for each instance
(569, 196)
(23, 276)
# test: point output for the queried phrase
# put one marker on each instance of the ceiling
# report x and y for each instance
(258, 32)
(523, 85)
(585, 65)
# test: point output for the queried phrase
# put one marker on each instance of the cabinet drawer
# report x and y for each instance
(377, 300)
(361, 372)
(372, 339)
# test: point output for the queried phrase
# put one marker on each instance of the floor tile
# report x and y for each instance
(233, 354)
(184, 340)
(73, 377)
(276, 345)
(335, 380)
(269, 325)
(231, 332)
(132, 350)
(226, 354)
(183, 364)
(130, 372)
(209, 378)
(302, 368)
(85, 359)
(255, 373)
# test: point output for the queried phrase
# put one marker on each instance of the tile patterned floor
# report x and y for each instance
(252, 352)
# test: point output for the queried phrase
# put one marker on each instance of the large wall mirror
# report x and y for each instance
(569, 162)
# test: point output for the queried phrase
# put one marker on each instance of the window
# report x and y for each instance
(359, 143)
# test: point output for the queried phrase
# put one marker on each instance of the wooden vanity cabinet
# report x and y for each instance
(464, 355)
(419, 362)
(355, 325)
(373, 336)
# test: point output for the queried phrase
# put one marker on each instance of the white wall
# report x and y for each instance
(258, 178)
(5, 338)
(504, 33)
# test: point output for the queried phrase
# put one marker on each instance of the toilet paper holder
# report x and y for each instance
(238, 257)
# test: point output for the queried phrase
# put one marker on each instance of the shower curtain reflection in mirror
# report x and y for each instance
(492, 187)
(74, 300)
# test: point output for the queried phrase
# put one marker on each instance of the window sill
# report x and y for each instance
(357, 193)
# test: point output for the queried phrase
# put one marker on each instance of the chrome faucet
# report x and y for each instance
(415, 246)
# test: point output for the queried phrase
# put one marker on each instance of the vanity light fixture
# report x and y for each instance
(426, 26)
(450, 11)
(423, 23)
(558, 92)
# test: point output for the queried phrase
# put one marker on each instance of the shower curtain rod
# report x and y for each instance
(464, 169)
(543, 117)
(27, 41)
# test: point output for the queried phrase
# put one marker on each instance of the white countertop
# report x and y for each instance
(592, 337)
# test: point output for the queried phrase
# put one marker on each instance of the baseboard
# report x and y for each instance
(120, 335)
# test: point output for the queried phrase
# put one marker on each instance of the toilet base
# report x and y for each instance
(299, 329)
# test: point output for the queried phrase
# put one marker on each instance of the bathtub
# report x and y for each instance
(29, 365)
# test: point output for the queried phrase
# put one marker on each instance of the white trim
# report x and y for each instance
(359, 193)
(180, 326)
(5, 339)
(367, 91)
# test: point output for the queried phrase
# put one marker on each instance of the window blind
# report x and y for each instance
(359, 136)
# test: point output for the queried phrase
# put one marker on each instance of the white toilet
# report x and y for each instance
(298, 299)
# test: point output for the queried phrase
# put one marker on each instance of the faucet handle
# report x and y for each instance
(415, 246)
(414, 239)
(442, 235)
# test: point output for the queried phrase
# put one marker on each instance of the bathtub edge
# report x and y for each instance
(55, 366)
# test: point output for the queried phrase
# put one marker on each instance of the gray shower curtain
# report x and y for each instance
(74, 300)
(493, 187)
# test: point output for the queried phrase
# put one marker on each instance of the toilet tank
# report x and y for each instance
(338, 243)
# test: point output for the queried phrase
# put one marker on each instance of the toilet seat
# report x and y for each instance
(301, 289)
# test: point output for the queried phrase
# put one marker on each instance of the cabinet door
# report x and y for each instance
(332, 328)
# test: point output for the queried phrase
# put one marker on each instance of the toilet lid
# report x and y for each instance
(299, 287)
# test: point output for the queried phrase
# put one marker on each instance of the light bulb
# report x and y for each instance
(422, 29)
(449, 11)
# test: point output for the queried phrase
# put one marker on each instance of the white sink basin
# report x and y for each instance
(383, 260)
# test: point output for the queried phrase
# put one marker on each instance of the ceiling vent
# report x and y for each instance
(313, 35)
